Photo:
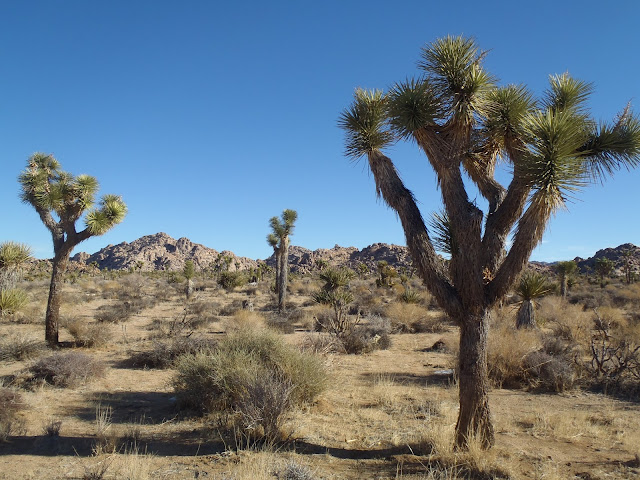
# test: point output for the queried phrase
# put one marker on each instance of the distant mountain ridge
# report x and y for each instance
(162, 252)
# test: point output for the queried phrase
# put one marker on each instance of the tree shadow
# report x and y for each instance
(402, 378)
(127, 407)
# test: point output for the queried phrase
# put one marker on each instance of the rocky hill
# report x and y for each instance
(303, 260)
(160, 252)
(618, 255)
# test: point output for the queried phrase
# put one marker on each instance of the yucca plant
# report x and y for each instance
(465, 123)
(12, 300)
(61, 199)
(532, 285)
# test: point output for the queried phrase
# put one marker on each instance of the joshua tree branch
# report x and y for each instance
(391, 188)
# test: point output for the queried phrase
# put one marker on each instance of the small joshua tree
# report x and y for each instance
(61, 199)
(282, 228)
(334, 294)
(565, 271)
(603, 267)
(189, 271)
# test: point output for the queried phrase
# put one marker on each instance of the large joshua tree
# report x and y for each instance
(61, 199)
(464, 123)
(281, 229)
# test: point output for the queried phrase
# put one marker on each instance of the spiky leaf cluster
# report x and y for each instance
(13, 255)
(533, 285)
(50, 190)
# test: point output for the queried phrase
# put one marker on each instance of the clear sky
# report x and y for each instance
(210, 117)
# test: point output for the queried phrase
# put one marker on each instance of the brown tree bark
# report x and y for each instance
(474, 418)
(55, 297)
(526, 316)
(283, 273)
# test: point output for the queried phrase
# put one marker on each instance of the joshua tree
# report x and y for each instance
(61, 200)
(463, 122)
(565, 271)
(189, 271)
(628, 267)
(333, 293)
(532, 285)
(603, 267)
(279, 240)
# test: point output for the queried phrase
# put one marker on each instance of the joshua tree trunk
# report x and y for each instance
(189, 289)
(278, 253)
(60, 262)
(563, 286)
(526, 317)
(283, 271)
(474, 419)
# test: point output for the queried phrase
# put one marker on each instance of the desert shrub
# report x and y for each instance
(294, 471)
(66, 369)
(280, 323)
(615, 353)
(431, 324)
(547, 372)
(120, 312)
(414, 318)
(231, 308)
(321, 343)
(263, 406)
(231, 280)
(219, 380)
(19, 347)
(507, 349)
(89, 334)
(245, 320)
(364, 339)
(164, 352)
(12, 301)
(567, 321)
(10, 405)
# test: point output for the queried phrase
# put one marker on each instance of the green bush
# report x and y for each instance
(218, 380)
(231, 280)
(254, 375)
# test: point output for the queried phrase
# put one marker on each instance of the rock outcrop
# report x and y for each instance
(160, 252)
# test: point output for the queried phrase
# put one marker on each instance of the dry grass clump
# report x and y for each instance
(19, 347)
(529, 358)
(11, 405)
(66, 369)
(243, 320)
(164, 352)
(414, 318)
(88, 335)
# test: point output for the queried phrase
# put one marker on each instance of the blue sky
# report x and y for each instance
(211, 117)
